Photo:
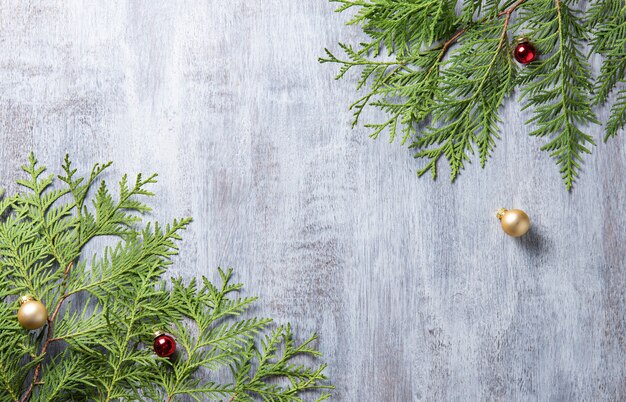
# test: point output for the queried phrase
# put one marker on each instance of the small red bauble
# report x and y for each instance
(164, 344)
(524, 52)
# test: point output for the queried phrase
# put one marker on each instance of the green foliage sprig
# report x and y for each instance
(442, 74)
(104, 308)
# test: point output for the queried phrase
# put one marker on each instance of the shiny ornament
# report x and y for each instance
(524, 51)
(514, 222)
(164, 344)
(32, 313)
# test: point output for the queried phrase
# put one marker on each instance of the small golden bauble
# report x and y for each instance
(32, 313)
(514, 222)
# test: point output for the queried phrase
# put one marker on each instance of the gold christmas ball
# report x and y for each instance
(514, 222)
(32, 313)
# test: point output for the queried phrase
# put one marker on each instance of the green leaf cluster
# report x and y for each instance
(442, 73)
(105, 306)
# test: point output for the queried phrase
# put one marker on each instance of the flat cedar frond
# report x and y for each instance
(607, 19)
(476, 80)
(618, 115)
(473, 9)
(271, 363)
(557, 88)
(442, 84)
(406, 26)
(104, 308)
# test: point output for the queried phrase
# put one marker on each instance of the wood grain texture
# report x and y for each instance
(415, 291)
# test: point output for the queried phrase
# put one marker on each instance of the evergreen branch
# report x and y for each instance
(77, 188)
(63, 380)
(416, 79)
(607, 20)
(111, 387)
(49, 337)
(215, 345)
(300, 378)
(467, 105)
(559, 84)
(127, 260)
(107, 220)
(157, 251)
(77, 328)
(101, 348)
(38, 204)
(440, 102)
(408, 25)
(15, 235)
(475, 8)
(12, 374)
(617, 120)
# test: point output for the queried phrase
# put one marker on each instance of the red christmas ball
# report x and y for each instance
(164, 345)
(525, 52)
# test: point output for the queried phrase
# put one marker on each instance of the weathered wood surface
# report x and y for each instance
(414, 289)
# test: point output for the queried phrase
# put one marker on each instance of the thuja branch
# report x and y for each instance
(416, 81)
(49, 337)
(428, 95)
(558, 87)
(506, 13)
(103, 222)
(107, 352)
(465, 101)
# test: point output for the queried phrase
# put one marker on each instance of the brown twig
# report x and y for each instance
(450, 42)
(49, 337)
(232, 398)
(510, 10)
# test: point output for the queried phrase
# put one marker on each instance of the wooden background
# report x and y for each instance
(415, 291)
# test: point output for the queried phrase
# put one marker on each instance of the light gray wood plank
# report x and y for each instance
(415, 291)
